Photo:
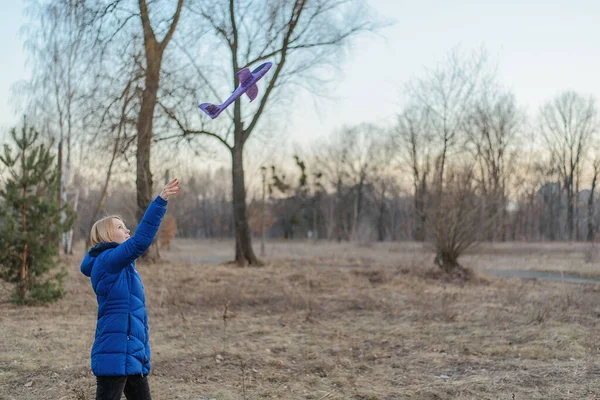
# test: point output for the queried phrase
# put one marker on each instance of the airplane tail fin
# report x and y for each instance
(252, 92)
(211, 110)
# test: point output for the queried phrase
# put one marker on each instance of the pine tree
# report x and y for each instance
(30, 219)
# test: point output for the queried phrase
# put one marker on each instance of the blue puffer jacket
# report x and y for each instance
(121, 345)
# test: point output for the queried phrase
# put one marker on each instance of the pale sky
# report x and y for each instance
(540, 47)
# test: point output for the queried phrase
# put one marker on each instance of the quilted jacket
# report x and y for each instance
(121, 344)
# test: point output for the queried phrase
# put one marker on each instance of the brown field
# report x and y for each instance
(381, 327)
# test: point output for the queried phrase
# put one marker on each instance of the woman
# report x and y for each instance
(121, 352)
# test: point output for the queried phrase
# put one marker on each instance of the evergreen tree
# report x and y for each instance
(30, 218)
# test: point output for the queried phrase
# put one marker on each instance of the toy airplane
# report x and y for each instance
(247, 85)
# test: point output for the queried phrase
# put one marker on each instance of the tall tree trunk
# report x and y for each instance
(417, 215)
(59, 194)
(315, 223)
(591, 232)
(570, 210)
(421, 217)
(551, 220)
(68, 236)
(354, 220)
(440, 188)
(244, 253)
(339, 210)
(205, 221)
(422, 209)
(358, 207)
(144, 139)
(381, 230)
(531, 217)
(442, 167)
(394, 227)
(576, 208)
(154, 52)
(504, 219)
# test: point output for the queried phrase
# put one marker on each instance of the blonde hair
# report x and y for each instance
(103, 230)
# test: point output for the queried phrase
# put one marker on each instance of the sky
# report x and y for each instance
(540, 48)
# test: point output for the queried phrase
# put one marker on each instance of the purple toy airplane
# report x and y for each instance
(247, 85)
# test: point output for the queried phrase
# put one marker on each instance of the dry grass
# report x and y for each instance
(295, 329)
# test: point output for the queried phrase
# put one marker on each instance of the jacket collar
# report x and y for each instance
(100, 247)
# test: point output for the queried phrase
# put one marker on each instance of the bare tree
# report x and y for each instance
(329, 157)
(383, 181)
(351, 160)
(446, 93)
(363, 154)
(492, 128)
(366, 157)
(567, 123)
(530, 170)
(204, 208)
(459, 226)
(415, 141)
(153, 51)
(299, 37)
(108, 41)
(53, 97)
(119, 131)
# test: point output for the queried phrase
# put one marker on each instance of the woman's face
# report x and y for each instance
(120, 231)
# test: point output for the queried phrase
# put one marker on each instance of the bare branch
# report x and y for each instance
(186, 131)
(295, 16)
(149, 36)
(169, 35)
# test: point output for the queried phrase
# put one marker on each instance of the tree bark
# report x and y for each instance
(144, 137)
(570, 206)
(59, 194)
(154, 52)
(244, 253)
(420, 193)
(144, 141)
(380, 223)
(590, 222)
(338, 210)
(551, 223)
(358, 207)
(531, 217)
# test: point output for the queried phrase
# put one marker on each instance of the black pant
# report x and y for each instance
(135, 387)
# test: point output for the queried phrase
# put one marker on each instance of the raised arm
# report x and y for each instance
(127, 252)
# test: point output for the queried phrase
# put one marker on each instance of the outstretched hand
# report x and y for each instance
(171, 189)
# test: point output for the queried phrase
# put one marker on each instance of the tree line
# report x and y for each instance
(116, 84)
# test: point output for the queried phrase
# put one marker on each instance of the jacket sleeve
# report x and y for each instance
(125, 253)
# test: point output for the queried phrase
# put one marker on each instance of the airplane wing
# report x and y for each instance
(252, 92)
(244, 75)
